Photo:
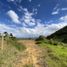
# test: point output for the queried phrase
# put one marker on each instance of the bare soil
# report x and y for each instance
(33, 55)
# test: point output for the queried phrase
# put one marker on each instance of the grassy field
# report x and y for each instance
(10, 53)
(48, 53)
(56, 54)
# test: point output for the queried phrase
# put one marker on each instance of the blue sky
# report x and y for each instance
(32, 18)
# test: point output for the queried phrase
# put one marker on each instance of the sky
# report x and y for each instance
(32, 18)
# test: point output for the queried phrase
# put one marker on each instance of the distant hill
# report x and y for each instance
(60, 35)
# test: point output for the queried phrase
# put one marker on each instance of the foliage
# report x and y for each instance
(8, 55)
(18, 46)
(11, 50)
(60, 35)
(56, 55)
(41, 39)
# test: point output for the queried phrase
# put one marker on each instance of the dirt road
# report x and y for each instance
(32, 56)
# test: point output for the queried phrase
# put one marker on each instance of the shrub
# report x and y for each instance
(51, 41)
(40, 38)
(38, 42)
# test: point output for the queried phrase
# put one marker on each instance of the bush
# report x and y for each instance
(40, 38)
(51, 41)
(38, 42)
(55, 44)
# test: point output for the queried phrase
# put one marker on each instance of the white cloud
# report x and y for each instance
(56, 7)
(23, 31)
(14, 17)
(15, 31)
(10, 0)
(49, 29)
(35, 11)
(4, 27)
(30, 0)
(55, 12)
(64, 19)
(25, 9)
(40, 29)
(28, 18)
(63, 9)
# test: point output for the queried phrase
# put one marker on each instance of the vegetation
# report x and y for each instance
(56, 52)
(56, 55)
(11, 50)
(60, 35)
(54, 49)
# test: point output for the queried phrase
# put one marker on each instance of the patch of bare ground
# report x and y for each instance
(32, 56)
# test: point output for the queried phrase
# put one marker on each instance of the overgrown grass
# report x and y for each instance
(56, 54)
(17, 45)
(8, 55)
(10, 52)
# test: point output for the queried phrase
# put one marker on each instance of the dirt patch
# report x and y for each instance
(32, 55)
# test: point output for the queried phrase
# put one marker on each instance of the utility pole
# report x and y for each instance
(2, 42)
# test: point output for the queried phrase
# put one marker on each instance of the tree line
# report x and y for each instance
(7, 35)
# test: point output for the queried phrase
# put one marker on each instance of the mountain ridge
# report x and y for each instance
(60, 35)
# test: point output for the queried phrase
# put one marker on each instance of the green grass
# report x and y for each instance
(56, 54)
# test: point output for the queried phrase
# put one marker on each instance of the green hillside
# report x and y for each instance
(54, 52)
(60, 35)
(55, 55)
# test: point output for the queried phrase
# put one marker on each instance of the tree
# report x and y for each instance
(11, 35)
(6, 34)
(41, 37)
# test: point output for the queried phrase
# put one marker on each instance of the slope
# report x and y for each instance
(60, 35)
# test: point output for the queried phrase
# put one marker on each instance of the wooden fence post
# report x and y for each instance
(2, 42)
